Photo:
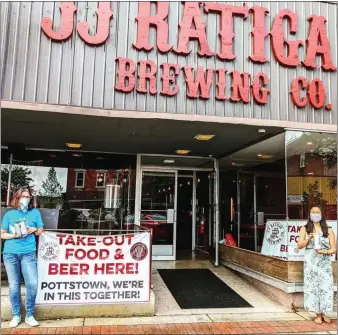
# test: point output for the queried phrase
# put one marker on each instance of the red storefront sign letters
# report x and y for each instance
(142, 75)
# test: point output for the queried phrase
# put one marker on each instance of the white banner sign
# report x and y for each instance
(78, 269)
(281, 237)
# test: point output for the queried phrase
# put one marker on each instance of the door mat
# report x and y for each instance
(200, 288)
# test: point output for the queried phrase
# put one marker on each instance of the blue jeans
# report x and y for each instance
(15, 264)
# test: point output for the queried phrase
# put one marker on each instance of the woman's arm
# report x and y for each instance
(6, 236)
(332, 241)
(303, 241)
(36, 231)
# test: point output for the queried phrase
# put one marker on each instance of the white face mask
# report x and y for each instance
(315, 217)
(24, 202)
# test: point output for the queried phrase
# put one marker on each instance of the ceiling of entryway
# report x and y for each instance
(50, 130)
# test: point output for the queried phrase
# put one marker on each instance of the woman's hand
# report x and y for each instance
(32, 230)
(322, 252)
(311, 236)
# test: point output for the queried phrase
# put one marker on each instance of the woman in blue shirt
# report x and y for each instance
(19, 253)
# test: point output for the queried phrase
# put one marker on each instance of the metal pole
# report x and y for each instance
(238, 210)
(138, 191)
(194, 223)
(211, 207)
(128, 205)
(216, 210)
(9, 179)
(255, 211)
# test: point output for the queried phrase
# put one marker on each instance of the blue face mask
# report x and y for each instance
(24, 202)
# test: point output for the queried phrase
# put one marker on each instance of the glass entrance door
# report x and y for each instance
(158, 211)
(205, 212)
(269, 204)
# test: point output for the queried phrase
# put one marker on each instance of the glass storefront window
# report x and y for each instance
(75, 190)
(311, 173)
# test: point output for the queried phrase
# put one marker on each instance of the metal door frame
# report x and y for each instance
(138, 206)
(138, 194)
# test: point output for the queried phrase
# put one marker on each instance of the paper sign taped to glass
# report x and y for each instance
(281, 237)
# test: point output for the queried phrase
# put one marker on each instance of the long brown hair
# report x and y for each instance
(323, 225)
(15, 203)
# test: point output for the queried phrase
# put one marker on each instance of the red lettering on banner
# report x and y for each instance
(129, 238)
(258, 34)
(318, 44)
(226, 33)
(125, 75)
(104, 13)
(260, 94)
(67, 10)
(108, 240)
(69, 253)
(131, 268)
(76, 240)
(294, 238)
(297, 84)
(316, 93)
(117, 242)
(284, 248)
(91, 241)
(52, 269)
(145, 20)
(202, 82)
(90, 254)
(278, 41)
(70, 240)
(115, 268)
(68, 269)
(119, 268)
(240, 86)
(144, 75)
(192, 14)
(80, 240)
(168, 79)
(221, 84)
(61, 237)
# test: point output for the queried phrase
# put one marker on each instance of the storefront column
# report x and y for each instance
(216, 181)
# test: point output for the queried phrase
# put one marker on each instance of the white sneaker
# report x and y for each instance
(15, 322)
(30, 320)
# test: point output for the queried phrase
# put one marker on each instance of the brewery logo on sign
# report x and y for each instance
(275, 233)
(139, 251)
(49, 251)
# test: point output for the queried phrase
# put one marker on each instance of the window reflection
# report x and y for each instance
(312, 173)
(84, 191)
(157, 206)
